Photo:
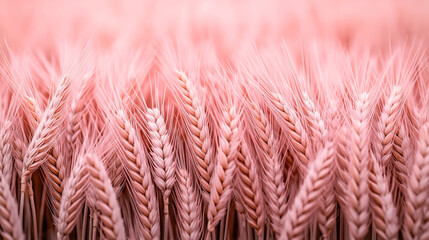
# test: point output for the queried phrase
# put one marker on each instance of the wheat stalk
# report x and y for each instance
(141, 184)
(250, 189)
(188, 204)
(199, 134)
(72, 199)
(107, 204)
(418, 186)
(358, 191)
(223, 173)
(306, 202)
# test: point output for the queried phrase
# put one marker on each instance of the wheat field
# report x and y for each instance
(214, 119)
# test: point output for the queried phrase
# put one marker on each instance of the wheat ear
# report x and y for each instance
(221, 181)
(250, 189)
(294, 129)
(342, 166)
(358, 212)
(6, 162)
(188, 205)
(327, 211)
(164, 166)
(106, 204)
(72, 199)
(199, 132)
(141, 183)
(273, 182)
(400, 169)
(418, 186)
(306, 202)
(10, 223)
(384, 210)
(44, 135)
(386, 131)
(162, 153)
(53, 166)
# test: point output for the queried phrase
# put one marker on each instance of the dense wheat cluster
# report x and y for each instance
(214, 120)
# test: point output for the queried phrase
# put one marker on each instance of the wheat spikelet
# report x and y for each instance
(417, 193)
(250, 189)
(6, 163)
(162, 153)
(140, 178)
(358, 196)
(199, 132)
(107, 204)
(44, 135)
(294, 129)
(10, 223)
(72, 199)
(384, 211)
(306, 201)
(188, 206)
(221, 181)
(74, 126)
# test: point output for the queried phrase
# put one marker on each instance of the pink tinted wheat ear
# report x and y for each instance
(384, 211)
(294, 129)
(164, 165)
(111, 220)
(138, 170)
(53, 166)
(189, 207)
(358, 214)
(387, 128)
(72, 199)
(10, 222)
(418, 186)
(6, 162)
(306, 202)
(273, 182)
(223, 173)
(327, 211)
(199, 134)
(250, 189)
